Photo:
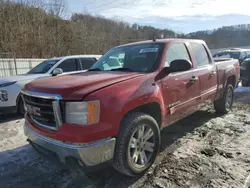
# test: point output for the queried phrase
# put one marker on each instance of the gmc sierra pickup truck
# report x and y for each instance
(114, 112)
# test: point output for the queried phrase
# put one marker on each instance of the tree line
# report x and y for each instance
(34, 29)
(227, 36)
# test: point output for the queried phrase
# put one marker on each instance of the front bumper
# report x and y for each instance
(90, 154)
(8, 110)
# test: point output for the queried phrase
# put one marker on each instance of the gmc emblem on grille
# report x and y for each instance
(32, 110)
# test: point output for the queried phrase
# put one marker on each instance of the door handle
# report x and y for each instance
(213, 73)
(193, 79)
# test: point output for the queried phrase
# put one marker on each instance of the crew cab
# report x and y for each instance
(115, 113)
(10, 87)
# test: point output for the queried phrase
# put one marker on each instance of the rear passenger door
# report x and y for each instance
(181, 94)
(207, 72)
(69, 66)
(86, 63)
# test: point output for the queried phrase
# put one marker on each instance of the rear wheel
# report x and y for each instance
(224, 104)
(137, 144)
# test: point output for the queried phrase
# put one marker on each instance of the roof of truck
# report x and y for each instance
(162, 41)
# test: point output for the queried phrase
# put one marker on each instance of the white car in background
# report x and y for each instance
(10, 87)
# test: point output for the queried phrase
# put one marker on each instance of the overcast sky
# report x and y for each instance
(179, 15)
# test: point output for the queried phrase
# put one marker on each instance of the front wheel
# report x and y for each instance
(224, 104)
(137, 144)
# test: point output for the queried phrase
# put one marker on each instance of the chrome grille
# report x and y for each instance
(43, 109)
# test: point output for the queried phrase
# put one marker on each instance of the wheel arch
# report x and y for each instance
(152, 108)
(231, 80)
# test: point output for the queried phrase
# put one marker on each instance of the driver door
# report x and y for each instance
(181, 90)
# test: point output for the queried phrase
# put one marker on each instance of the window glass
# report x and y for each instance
(87, 62)
(176, 51)
(136, 58)
(44, 66)
(68, 65)
(200, 54)
(121, 57)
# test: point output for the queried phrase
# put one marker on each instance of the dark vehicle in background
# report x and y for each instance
(235, 53)
(245, 72)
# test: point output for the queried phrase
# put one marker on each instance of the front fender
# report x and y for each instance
(119, 99)
(156, 97)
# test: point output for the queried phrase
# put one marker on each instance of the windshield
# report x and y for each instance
(43, 67)
(135, 58)
(234, 55)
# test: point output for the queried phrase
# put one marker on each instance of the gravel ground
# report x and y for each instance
(202, 150)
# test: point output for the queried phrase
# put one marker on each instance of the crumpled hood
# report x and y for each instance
(76, 86)
(20, 78)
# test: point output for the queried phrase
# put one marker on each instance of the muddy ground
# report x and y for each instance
(203, 150)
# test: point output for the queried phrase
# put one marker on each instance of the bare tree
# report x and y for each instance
(38, 28)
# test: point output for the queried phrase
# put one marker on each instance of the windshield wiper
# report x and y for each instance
(95, 69)
(122, 69)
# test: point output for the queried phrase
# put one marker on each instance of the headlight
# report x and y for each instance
(82, 113)
(7, 84)
(3, 95)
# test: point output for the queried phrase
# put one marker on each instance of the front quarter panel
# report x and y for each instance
(119, 99)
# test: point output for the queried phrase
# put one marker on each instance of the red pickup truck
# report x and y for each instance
(114, 112)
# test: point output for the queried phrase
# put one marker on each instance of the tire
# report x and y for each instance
(224, 104)
(127, 146)
(21, 110)
(245, 83)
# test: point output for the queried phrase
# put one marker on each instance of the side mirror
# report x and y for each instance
(57, 71)
(180, 65)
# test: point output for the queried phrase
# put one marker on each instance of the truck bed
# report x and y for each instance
(226, 67)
